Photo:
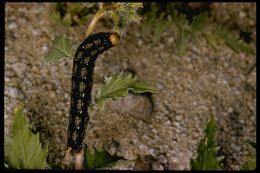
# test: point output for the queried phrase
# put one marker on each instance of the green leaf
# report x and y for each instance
(239, 46)
(199, 21)
(99, 159)
(88, 4)
(253, 144)
(60, 48)
(24, 150)
(181, 40)
(76, 8)
(161, 26)
(118, 86)
(67, 19)
(213, 39)
(207, 158)
(234, 43)
(55, 17)
(198, 25)
(125, 13)
(250, 164)
(6, 165)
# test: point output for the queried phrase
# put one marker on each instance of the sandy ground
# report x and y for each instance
(166, 126)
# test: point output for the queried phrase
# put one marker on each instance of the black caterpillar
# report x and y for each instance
(83, 67)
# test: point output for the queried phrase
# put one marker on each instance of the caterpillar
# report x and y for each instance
(83, 67)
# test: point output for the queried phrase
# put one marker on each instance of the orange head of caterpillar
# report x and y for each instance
(114, 38)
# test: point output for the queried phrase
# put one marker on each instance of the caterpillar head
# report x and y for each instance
(114, 38)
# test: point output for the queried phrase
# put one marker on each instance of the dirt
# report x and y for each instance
(192, 87)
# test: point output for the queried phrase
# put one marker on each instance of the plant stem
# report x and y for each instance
(94, 20)
(101, 12)
(79, 161)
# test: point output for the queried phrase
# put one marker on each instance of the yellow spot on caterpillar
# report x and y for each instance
(100, 48)
(79, 105)
(93, 52)
(79, 56)
(81, 87)
(83, 72)
(97, 41)
(82, 95)
(77, 121)
(86, 60)
(114, 38)
(87, 46)
(74, 136)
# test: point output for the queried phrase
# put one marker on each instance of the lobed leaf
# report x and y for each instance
(181, 40)
(250, 164)
(253, 144)
(199, 21)
(207, 158)
(60, 48)
(234, 43)
(99, 159)
(118, 86)
(125, 13)
(24, 149)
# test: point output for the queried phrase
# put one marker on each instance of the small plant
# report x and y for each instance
(99, 159)
(207, 157)
(153, 24)
(23, 150)
(250, 164)
(71, 14)
(200, 26)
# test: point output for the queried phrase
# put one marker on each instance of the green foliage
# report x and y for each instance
(118, 85)
(24, 149)
(125, 13)
(74, 13)
(61, 48)
(207, 158)
(155, 23)
(6, 165)
(250, 142)
(99, 159)
(181, 40)
(250, 164)
(234, 43)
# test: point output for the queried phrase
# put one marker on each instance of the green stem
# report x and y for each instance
(101, 12)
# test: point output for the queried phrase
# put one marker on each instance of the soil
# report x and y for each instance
(166, 126)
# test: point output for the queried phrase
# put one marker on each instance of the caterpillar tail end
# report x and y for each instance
(74, 158)
(79, 158)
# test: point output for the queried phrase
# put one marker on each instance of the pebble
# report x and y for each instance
(179, 118)
(45, 48)
(13, 92)
(12, 25)
(170, 40)
(157, 166)
(159, 86)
